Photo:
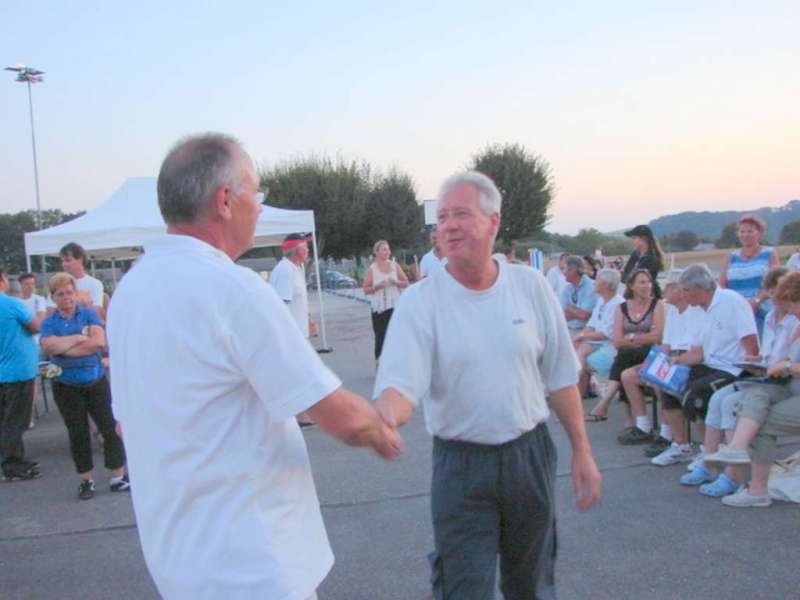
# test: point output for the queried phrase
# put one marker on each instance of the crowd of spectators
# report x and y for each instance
(736, 338)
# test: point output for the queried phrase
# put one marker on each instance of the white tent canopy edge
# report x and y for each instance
(119, 227)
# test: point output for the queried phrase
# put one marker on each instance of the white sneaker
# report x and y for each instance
(672, 456)
(729, 456)
(744, 499)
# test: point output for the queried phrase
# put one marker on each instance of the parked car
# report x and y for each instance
(332, 280)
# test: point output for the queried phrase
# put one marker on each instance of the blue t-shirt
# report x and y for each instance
(77, 370)
(19, 355)
(583, 296)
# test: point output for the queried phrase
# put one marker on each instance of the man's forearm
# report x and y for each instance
(394, 406)
(56, 345)
(566, 403)
(85, 348)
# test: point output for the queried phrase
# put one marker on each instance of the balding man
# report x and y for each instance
(485, 343)
(208, 377)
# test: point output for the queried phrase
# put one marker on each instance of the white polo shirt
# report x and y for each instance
(430, 263)
(729, 318)
(289, 280)
(208, 375)
(482, 360)
(776, 337)
(681, 328)
(602, 319)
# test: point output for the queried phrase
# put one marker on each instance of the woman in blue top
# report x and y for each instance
(745, 268)
(73, 337)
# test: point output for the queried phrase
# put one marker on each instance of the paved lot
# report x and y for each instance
(649, 538)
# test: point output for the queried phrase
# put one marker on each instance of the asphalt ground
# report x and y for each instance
(648, 538)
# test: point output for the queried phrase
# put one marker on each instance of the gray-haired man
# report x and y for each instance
(485, 343)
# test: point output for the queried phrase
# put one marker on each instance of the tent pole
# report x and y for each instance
(94, 272)
(113, 272)
(28, 262)
(324, 333)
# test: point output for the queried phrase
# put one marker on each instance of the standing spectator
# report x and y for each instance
(555, 274)
(647, 254)
(593, 344)
(727, 336)
(289, 280)
(744, 269)
(90, 290)
(208, 377)
(590, 266)
(73, 336)
(18, 360)
(485, 345)
(507, 254)
(431, 260)
(382, 283)
(577, 296)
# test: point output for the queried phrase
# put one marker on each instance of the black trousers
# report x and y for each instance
(488, 500)
(15, 416)
(75, 403)
(380, 323)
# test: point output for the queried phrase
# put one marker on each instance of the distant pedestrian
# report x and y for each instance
(383, 283)
(647, 255)
(431, 261)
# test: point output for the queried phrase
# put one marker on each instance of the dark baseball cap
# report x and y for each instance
(640, 231)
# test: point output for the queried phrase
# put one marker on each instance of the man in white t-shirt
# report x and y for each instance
(36, 303)
(209, 374)
(289, 280)
(728, 333)
(485, 344)
(432, 261)
(90, 290)
(555, 274)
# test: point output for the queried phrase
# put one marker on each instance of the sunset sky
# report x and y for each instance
(640, 108)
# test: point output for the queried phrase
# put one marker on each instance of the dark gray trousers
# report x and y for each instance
(488, 500)
(15, 416)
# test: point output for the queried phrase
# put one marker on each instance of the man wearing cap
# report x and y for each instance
(289, 280)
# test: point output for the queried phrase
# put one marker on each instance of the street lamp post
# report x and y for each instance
(29, 75)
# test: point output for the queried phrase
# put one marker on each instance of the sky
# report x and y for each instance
(639, 108)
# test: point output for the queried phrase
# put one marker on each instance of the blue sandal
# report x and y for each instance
(697, 476)
(721, 486)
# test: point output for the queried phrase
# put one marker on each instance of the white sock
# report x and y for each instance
(683, 447)
(114, 480)
(643, 423)
(666, 432)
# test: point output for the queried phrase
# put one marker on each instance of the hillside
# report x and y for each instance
(709, 224)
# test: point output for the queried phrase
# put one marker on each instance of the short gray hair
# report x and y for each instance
(698, 276)
(193, 170)
(489, 198)
(611, 277)
(575, 263)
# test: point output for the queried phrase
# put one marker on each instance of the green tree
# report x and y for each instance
(525, 181)
(790, 234)
(680, 241)
(729, 238)
(13, 228)
(337, 192)
(392, 211)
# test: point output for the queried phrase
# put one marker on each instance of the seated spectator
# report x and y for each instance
(593, 344)
(577, 296)
(727, 336)
(74, 337)
(681, 322)
(555, 274)
(765, 412)
(590, 267)
(779, 327)
(638, 324)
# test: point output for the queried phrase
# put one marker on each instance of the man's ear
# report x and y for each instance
(220, 205)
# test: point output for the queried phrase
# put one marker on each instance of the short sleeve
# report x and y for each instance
(559, 366)
(407, 355)
(97, 292)
(22, 313)
(282, 282)
(91, 317)
(285, 372)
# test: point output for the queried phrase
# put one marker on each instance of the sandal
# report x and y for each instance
(593, 418)
(721, 486)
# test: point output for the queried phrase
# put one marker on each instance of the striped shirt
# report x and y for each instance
(746, 274)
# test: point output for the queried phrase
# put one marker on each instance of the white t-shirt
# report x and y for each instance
(556, 279)
(793, 264)
(93, 287)
(681, 328)
(430, 263)
(482, 360)
(289, 280)
(35, 303)
(729, 318)
(602, 319)
(208, 375)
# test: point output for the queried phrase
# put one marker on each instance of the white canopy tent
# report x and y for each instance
(117, 229)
